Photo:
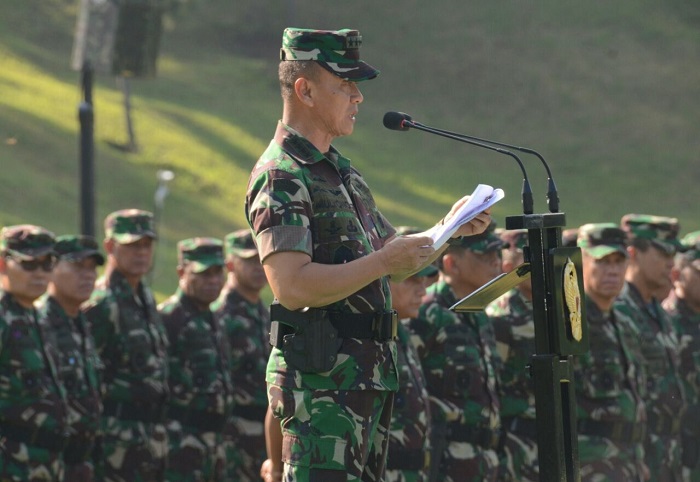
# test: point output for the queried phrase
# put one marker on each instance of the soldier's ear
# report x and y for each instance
(3, 264)
(108, 245)
(303, 90)
(230, 265)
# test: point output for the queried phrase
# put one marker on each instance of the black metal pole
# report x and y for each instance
(86, 116)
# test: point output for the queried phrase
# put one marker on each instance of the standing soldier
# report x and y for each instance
(198, 357)
(458, 355)
(246, 322)
(683, 306)
(653, 243)
(32, 401)
(514, 328)
(408, 459)
(131, 342)
(609, 378)
(71, 344)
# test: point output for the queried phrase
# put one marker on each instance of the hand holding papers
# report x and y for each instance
(483, 197)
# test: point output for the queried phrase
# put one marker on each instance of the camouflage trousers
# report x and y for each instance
(518, 462)
(604, 460)
(194, 456)
(22, 463)
(131, 451)
(333, 436)
(244, 443)
(663, 456)
(394, 475)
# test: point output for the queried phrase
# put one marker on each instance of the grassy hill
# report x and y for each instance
(607, 92)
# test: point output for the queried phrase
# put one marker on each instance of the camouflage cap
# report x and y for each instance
(76, 247)
(241, 243)
(129, 225)
(516, 238)
(569, 237)
(200, 253)
(661, 231)
(691, 244)
(431, 269)
(602, 239)
(337, 51)
(26, 241)
(485, 242)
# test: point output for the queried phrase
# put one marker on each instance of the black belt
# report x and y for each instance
(379, 326)
(78, 449)
(619, 431)
(137, 412)
(483, 436)
(51, 440)
(197, 419)
(526, 427)
(402, 459)
(250, 412)
(663, 424)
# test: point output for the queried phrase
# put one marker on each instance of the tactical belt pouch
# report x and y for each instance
(135, 412)
(197, 419)
(310, 339)
(78, 449)
(51, 440)
(626, 432)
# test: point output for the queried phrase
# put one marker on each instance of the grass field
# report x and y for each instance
(607, 92)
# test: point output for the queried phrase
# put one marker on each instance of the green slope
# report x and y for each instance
(608, 92)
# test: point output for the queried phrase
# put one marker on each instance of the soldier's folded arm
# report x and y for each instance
(298, 282)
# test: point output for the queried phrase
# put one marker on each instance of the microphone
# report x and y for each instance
(552, 194)
(399, 121)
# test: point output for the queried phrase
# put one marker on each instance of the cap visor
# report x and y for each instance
(245, 253)
(427, 271)
(356, 72)
(600, 252)
(129, 238)
(32, 253)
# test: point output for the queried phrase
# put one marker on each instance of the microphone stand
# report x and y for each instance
(557, 339)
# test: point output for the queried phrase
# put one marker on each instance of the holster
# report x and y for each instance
(313, 344)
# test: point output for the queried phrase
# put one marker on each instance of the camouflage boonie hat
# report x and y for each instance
(129, 225)
(661, 231)
(482, 243)
(602, 239)
(337, 51)
(691, 244)
(76, 247)
(200, 253)
(241, 243)
(431, 269)
(569, 237)
(26, 241)
(516, 238)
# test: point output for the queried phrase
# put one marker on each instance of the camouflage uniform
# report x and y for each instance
(131, 341)
(32, 400)
(687, 322)
(659, 346)
(299, 199)
(70, 342)
(199, 381)
(459, 359)
(408, 459)
(610, 379)
(247, 327)
(409, 437)
(514, 328)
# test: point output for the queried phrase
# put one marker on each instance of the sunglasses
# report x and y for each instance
(46, 264)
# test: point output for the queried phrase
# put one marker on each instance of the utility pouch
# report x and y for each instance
(313, 344)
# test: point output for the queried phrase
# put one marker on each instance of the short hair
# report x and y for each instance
(290, 70)
(641, 244)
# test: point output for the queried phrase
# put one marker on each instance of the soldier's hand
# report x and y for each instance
(475, 226)
(268, 474)
(405, 254)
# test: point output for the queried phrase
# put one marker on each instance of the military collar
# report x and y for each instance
(300, 148)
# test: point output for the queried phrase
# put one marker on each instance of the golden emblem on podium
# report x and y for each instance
(572, 295)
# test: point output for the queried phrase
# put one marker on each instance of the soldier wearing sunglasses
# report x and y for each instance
(32, 400)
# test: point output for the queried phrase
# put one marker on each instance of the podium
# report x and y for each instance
(560, 334)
